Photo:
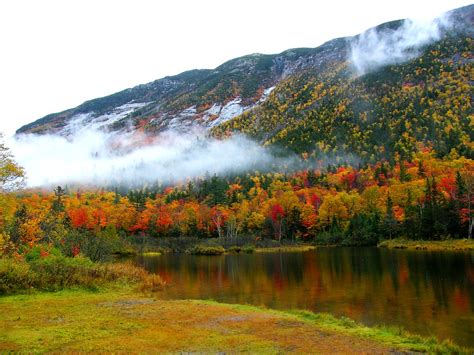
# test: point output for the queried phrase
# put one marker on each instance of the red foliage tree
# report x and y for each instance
(79, 217)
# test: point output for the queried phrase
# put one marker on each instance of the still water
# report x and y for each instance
(427, 293)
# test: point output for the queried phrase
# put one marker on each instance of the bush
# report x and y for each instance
(40, 251)
(56, 272)
(249, 248)
(4, 243)
(96, 246)
(234, 249)
(328, 238)
(15, 275)
(206, 250)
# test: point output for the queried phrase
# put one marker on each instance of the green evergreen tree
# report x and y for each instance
(390, 223)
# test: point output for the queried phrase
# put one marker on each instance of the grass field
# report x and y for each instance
(122, 319)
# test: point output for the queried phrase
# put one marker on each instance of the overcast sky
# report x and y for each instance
(55, 55)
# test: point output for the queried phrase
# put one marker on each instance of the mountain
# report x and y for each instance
(421, 101)
(203, 98)
(396, 88)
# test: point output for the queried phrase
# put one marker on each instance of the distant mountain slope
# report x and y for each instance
(310, 100)
(197, 98)
(398, 108)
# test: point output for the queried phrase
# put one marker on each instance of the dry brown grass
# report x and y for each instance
(55, 273)
(151, 283)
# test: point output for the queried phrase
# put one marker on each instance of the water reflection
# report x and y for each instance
(427, 293)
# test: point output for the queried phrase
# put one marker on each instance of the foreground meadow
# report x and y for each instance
(119, 318)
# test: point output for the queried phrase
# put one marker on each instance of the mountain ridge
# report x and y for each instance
(271, 96)
(277, 67)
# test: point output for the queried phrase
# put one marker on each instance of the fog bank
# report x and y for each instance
(376, 48)
(94, 157)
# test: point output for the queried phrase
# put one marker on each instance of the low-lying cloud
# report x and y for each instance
(376, 48)
(98, 158)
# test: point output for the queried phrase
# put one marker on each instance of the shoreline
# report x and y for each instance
(287, 248)
(402, 244)
(227, 247)
(122, 319)
(428, 245)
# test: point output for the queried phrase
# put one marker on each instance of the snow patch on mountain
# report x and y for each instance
(86, 121)
(183, 120)
(214, 110)
(232, 109)
(188, 119)
(265, 94)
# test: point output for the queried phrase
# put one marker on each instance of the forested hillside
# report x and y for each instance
(401, 108)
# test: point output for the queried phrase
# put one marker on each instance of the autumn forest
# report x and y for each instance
(333, 160)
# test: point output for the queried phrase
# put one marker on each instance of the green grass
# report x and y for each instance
(395, 337)
(249, 249)
(151, 253)
(451, 244)
(206, 250)
(286, 248)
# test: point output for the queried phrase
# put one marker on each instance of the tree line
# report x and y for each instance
(424, 198)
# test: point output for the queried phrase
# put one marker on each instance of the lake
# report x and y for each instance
(429, 293)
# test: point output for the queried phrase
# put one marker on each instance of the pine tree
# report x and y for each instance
(390, 224)
(58, 204)
(404, 176)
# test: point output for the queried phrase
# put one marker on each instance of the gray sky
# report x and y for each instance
(55, 55)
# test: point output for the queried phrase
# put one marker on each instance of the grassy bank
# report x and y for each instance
(57, 272)
(230, 245)
(286, 248)
(453, 244)
(212, 249)
(246, 249)
(121, 319)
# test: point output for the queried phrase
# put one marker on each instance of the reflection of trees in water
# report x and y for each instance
(424, 292)
(442, 273)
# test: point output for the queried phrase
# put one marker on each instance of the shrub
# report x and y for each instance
(328, 238)
(96, 246)
(15, 275)
(56, 272)
(41, 251)
(4, 243)
(234, 249)
(249, 248)
(206, 250)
